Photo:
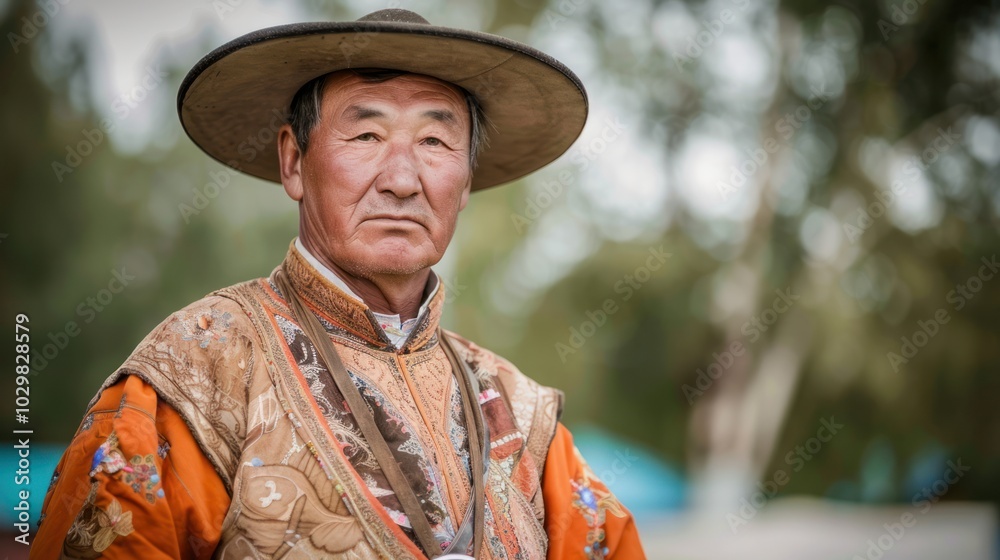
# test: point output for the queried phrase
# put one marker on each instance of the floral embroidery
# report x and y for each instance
(79, 538)
(593, 502)
(207, 328)
(143, 477)
(108, 458)
(113, 522)
(94, 529)
(162, 449)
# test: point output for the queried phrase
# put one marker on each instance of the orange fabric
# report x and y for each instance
(583, 518)
(160, 502)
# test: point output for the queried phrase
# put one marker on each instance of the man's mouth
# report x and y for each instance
(396, 218)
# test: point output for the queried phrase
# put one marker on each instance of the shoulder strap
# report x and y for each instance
(380, 449)
(479, 440)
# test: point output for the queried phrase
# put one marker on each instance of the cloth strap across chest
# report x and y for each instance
(473, 524)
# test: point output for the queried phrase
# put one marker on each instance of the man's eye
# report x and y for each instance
(433, 142)
(365, 137)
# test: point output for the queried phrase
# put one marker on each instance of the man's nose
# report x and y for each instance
(400, 172)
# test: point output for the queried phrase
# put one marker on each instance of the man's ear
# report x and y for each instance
(290, 162)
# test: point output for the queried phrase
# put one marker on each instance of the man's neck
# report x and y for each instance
(388, 295)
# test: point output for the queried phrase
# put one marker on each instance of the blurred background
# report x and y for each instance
(764, 275)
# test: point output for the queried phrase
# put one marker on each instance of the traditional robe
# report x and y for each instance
(223, 436)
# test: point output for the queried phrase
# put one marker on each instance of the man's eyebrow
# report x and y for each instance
(357, 113)
(442, 115)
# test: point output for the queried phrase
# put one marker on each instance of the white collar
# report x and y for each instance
(396, 329)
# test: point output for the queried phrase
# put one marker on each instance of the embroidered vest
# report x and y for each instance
(303, 482)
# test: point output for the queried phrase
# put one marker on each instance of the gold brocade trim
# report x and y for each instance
(331, 303)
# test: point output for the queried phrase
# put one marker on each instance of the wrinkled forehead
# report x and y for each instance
(346, 85)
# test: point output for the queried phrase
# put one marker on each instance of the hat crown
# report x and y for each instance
(395, 15)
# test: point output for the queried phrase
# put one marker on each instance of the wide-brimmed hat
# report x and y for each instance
(234, 100)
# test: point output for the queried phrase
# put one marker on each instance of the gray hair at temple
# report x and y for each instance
(304, 111)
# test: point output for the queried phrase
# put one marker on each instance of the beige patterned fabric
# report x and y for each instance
(264, 411)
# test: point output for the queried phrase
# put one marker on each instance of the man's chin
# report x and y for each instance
(392, 260)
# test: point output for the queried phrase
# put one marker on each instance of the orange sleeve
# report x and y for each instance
(132, 484)
(583, 518)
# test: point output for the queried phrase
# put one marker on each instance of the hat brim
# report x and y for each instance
(233, 101)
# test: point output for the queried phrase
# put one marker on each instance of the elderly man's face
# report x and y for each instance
(385, 173)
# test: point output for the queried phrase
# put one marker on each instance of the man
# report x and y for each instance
(321, 412)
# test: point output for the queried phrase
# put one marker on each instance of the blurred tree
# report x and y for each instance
(875, 200)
